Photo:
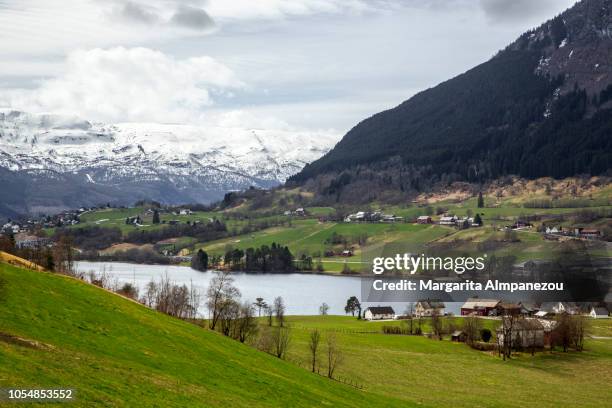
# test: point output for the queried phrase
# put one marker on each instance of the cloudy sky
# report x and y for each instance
(300, 64)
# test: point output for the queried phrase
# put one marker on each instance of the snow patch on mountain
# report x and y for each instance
(152, 151)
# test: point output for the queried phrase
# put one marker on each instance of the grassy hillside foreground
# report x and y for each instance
(115, 352)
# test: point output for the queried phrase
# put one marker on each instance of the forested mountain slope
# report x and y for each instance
(540, 107)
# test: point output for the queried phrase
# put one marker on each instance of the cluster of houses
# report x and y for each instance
(450, 220)
(584, 233)
(298, 212)
(497, 307)
(533, 330)
(24, 240)
(62, 219)
(372, 216)
(492, 308)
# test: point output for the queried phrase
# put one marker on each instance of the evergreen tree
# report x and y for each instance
(480, 200)
(199, 262)
(478, 219)
(155, 217)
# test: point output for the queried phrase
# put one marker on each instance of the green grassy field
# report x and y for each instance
(308, 236)
(115, 352)
(447, 374)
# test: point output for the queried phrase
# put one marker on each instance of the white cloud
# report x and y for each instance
(130, 84)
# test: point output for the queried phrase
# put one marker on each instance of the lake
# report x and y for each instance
(302, 293)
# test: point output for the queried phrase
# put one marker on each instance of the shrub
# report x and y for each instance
(485, 335)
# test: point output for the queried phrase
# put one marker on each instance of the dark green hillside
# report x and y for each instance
(115, 352)
(533, 110)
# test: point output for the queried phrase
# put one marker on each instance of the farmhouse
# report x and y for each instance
(379, 313)
(448, 220)
(519, 225)
(589, 233)
(425, 308)
(524, 333)
(560, 307)
(480, 307)
(528, 309)
(424, 219)
(599, 313)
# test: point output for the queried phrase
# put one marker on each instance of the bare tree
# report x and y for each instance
(148, 297)
(269, 314)
(562, 333)
(281, 337)
(471, 327)
(436, 323)
(219, 295)
(247, 325)
(334, 355)
(313, 346)
(63, 256)
(229, 312)
(505, 341)
(279, 310)
(579, 329)
(264, 340)
(409, 312)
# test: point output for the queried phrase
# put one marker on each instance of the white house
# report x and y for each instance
(185, 211)
(560, 307)
(599, 313)
(446, 220)
(425, 308)
(379, 313)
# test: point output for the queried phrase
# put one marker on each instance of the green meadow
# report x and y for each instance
(58, 332)
(447, 374)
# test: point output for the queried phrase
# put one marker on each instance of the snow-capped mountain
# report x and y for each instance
(167, 162)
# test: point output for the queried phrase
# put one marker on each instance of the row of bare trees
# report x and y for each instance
(333, 353)
(180, 301)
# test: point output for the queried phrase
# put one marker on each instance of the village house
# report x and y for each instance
(424, 219)
(375, 216)
(599, 313)
(554, 230)
(391, 218)
(480, 307)
(425, 308)
(448, 220)
(520, 225)
(347, 253)
(543, 314)
(508, 309)
(300, 212)
(185, 211)
(588, 233)
(525, 333)
(379, 313)
(560, 307)
(23, 240)
(528, 309)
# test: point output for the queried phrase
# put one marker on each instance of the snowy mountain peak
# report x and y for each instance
(198, 162)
